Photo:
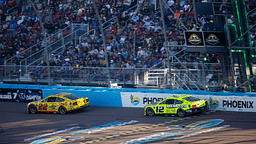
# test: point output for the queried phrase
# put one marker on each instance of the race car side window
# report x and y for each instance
(45, 100)
(51, 99)
(169, 101)
(59, 99)
(178, 102)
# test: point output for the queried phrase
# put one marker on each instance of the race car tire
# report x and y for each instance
(32, 109)
(62, 110)
(181, 113)
(150, 112)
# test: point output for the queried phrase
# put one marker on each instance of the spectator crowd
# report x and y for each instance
(134, 34)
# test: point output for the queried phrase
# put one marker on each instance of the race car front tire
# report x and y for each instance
(32, 109)
(150, 112)
(181, 113)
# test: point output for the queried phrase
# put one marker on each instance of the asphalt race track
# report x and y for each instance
(123, 125)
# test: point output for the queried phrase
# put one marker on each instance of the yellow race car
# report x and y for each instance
(179, 105)
(58, 103)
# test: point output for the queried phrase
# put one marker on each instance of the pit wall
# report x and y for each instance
(134, 98)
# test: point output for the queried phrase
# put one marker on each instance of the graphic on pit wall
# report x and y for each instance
(231, 103)
(213, 103)
(135, 101)
(20, 95)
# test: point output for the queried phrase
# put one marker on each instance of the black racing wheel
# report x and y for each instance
(181, 113)
(32, 109)
(62, 110)
(150, 112)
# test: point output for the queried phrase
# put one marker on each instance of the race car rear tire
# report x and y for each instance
(181, 113)
(32, 109)
(150, 112)
(62, 110)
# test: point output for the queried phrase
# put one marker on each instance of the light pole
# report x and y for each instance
(45, 42)
(165, 43)
(103, 37)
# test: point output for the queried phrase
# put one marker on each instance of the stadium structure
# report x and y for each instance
(205, 45)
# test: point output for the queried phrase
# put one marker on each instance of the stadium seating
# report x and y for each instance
(134, 37)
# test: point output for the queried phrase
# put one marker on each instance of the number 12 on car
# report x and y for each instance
(160, 109)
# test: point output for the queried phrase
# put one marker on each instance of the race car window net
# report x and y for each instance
(50, 99)
(191, 99)
(59, 99)
(169, 101)
(178, 102)
(72, 97)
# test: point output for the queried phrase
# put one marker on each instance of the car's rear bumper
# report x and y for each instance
(82, 107)
(196, 110)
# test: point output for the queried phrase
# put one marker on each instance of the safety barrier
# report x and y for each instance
(109, 97)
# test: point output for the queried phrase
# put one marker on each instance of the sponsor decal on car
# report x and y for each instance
(176, 106)
(53, 106)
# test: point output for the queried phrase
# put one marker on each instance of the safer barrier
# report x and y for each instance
(109, 97)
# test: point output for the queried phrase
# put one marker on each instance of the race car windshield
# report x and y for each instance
(191, 99)
(72, 97)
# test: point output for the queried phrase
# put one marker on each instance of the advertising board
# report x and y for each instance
(20, 95)
(136, 99)
(221, 103)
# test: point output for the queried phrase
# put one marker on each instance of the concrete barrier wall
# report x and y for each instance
(126, 97)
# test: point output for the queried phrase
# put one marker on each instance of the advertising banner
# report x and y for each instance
(221, 103)
(20, 95)
(231, 103)
(136, 99)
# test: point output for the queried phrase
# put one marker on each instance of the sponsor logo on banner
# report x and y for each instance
(141, 99)
(20, 95)
(135, 101)
(214, 104)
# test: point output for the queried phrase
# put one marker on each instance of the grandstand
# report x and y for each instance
(137, 52)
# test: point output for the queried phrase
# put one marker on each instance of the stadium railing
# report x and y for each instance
(138, 77)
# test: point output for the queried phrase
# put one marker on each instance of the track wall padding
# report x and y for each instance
(109, 97)
(96, 98)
